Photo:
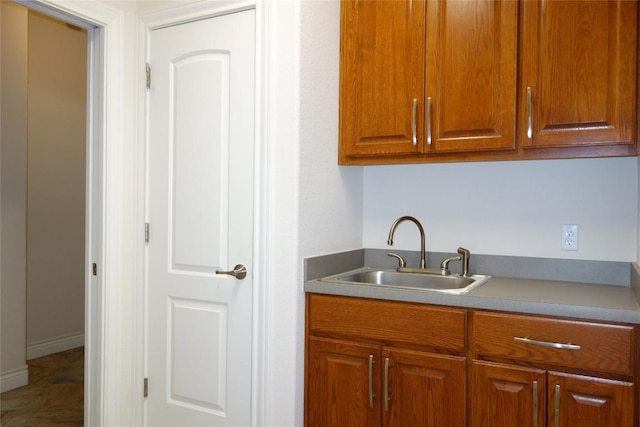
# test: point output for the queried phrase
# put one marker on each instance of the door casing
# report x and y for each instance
(104, 223)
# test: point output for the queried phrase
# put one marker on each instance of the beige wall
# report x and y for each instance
(56, 179)
(43, 187)
(13, 155)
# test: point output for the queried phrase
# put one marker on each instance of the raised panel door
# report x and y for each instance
(423, 389)
(200, 210)
(343, 380)
(471, 75)
(381, 77)
(578, 75)
(581, 401)
(507, 396)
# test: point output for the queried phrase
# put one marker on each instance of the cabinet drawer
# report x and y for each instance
(388, 322)
(575, 344)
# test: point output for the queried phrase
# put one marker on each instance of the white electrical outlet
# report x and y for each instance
(569, 237)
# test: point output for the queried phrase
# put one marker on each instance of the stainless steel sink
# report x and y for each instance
(452, 284)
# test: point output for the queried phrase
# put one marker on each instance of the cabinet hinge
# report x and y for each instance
(146, 232)
(95, 269)
(145, 391)
(148, 71)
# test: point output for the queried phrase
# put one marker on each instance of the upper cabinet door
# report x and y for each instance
(578, 75)
(471, 75)
(381, 77)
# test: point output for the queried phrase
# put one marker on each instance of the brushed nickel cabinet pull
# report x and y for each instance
(371, 396)
(386, 383)
(529, 120)
(535, 404)
(557, 406)
(547, 344)
(429, 120)
(414, 122)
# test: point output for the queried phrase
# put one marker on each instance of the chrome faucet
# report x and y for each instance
(423, 261)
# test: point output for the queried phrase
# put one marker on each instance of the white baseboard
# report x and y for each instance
(14, 379)
(54, 345)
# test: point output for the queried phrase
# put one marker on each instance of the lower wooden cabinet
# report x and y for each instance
(509, 395)
(385, 363)
(358, 384)
(547, 391)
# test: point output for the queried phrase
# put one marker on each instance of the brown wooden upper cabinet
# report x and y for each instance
(486, 80)
(578, 73)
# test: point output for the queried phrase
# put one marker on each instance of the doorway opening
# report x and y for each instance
(103, 206)
(46, 141)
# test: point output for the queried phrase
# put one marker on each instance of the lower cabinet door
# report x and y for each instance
(423, 389)
(507, 396)
(582, 401)
(343, 379)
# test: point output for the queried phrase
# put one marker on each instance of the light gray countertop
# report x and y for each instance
(547, 297)
(591, 290)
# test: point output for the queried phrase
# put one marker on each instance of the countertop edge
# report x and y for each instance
(508, 301)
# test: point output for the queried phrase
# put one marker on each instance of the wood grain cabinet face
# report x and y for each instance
(603, 347)
(338, 383)
(506, 394)
(579, 65)
(381, 73)
(424, 390)
(357, 373)
(471, 75)
(355, 384)
(582, 401)
(450, 80)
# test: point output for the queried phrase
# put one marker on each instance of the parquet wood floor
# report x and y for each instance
(54, 396)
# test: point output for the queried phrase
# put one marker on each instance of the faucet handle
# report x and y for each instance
(401, 262)
(444, 265)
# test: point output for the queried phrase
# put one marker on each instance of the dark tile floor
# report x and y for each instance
(54, 396)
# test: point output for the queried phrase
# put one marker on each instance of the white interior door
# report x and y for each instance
(200, 211)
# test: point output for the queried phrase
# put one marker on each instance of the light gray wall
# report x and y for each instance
(13, 121)
(508, 208)
(330, 196)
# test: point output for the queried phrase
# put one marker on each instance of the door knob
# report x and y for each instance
(239, 272)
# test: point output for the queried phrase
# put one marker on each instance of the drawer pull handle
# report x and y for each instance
(371, 396)
(414, 120)
(386, 383)
(429, 120)
(535, 404)
(557, 406)
(547, 344)
(529, 113)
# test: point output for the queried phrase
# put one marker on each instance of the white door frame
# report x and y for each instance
(179, 15)
(104, 241)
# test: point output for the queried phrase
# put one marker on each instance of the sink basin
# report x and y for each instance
(453, 284)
